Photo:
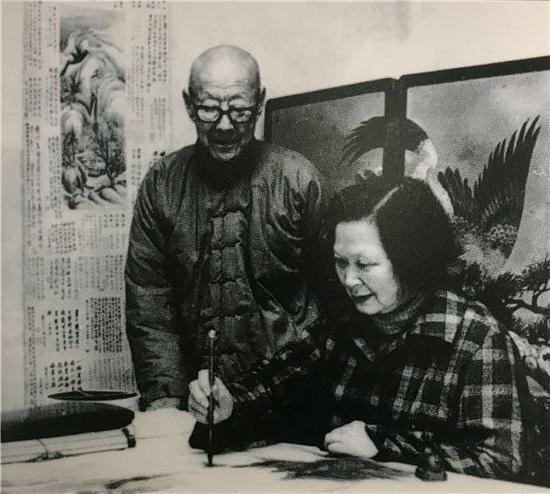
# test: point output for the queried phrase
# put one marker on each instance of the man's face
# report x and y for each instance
(226, 136)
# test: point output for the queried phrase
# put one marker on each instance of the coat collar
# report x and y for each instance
(434, 329)
(224, 175)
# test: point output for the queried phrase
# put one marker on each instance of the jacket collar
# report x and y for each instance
(223, 175)
(434, 329)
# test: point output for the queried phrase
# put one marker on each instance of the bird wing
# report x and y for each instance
(368, 135)
(372, 134)
(460, 194)
(499, 191)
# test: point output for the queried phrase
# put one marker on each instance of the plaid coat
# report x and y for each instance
(450, 382)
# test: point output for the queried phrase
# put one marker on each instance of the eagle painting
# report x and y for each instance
(486, 217)
(420, 154)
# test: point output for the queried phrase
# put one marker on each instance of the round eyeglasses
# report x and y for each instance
(213, 114)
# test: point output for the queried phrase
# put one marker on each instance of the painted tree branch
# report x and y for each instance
(521, 304)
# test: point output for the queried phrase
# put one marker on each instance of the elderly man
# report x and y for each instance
(222, 238)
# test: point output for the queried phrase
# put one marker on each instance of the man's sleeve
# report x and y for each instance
(314, 204)
(489, 440)
(315, 207)
(152, 321)
(273, 402)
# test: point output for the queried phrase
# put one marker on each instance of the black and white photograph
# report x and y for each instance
(275, 246)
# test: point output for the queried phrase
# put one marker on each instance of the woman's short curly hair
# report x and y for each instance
(414, 229)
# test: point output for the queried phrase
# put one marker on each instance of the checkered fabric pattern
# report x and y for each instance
(449, 382)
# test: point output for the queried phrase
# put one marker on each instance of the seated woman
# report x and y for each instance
(409, 366)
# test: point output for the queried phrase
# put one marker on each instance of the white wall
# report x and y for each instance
(307, 46)
(300, 47)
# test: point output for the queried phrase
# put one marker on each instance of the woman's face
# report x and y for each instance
(364, 269)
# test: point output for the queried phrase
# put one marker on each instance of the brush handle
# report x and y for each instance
(211, 402)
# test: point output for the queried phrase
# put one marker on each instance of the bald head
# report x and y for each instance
(225, 100)
(224, 65)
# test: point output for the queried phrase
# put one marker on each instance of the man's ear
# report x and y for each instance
(261, 101)
(188, 104)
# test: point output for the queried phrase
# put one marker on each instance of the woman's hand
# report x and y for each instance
(351, 439)
(199, 391)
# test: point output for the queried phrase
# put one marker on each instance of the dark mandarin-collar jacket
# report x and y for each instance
(226, 247)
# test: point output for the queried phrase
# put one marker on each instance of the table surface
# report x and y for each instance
(162, 461)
